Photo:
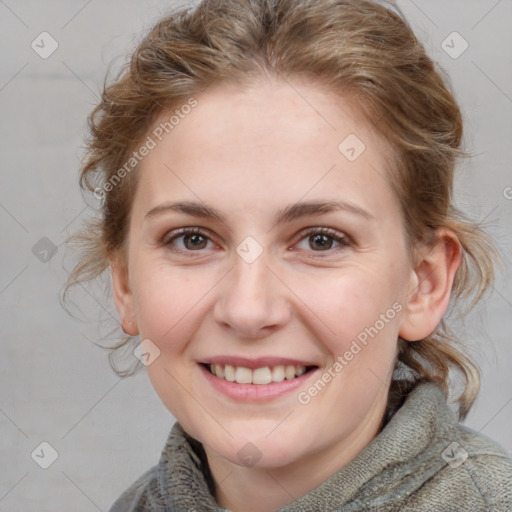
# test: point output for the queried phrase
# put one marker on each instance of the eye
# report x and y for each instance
(187, 239)
(192, 239)
(323, 240)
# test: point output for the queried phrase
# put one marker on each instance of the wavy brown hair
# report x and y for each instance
(359, 47)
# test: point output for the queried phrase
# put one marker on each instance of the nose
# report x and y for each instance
(253, 302)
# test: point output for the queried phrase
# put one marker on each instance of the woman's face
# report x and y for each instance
(293, 273)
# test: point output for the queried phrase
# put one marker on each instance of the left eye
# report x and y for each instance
(322, 240)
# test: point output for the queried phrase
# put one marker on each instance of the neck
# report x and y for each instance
(265, 489)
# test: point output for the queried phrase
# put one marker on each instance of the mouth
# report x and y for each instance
(260, 376)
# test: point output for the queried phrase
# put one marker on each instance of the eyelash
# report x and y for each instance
(344, 240)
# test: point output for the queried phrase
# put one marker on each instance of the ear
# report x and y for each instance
(431, 286)
(123, 296)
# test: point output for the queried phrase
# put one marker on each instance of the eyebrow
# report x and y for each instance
(290, 213)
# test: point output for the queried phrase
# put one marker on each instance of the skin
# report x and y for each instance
(249, 152)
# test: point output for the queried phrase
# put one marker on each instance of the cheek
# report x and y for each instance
(170, 302)
(359, 305)
(358, 296)
(161, 299)
(169, 307)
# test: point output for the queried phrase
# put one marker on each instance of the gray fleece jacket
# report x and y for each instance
(422, 460)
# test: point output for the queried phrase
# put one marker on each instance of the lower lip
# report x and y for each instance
(254, 392)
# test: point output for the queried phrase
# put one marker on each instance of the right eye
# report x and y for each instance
(187, 240)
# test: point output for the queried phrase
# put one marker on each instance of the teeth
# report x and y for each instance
(278, 373)
(229, 373)
(264, 375)
(219, 370)
(301, 370)
(289, 372)
(243, 375)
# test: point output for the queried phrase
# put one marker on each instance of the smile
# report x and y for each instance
(261, 376)
(256, 380)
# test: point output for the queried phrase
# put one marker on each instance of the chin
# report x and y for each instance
(256, 452)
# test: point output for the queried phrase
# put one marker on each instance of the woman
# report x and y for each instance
(277, 217)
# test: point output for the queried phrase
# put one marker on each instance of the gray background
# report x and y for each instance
(56, 385)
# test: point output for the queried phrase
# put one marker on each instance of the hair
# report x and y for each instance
(359, 48)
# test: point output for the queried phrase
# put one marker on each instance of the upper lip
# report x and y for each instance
(258, 362)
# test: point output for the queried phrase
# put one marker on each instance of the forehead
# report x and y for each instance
(269, 141)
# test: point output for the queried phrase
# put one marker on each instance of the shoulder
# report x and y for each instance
(488, 465)
(439, 464)
(141, 495)
(474, 472)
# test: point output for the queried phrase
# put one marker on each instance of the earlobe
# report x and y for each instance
(432, 284)
(123, 296)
